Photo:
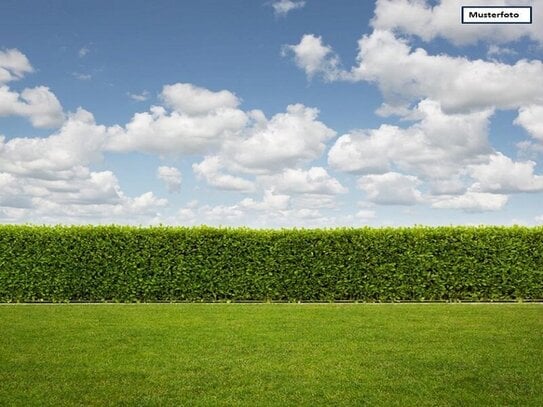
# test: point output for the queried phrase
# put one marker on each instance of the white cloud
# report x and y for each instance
(126, 210)
(365, 214)
(39, 105)
(212, 170)
(46, 179)
(273, 210)
(85, 188)
(503, 175)
(171, 177)
(386, 110)
(316, 180)
(315, 58)
(210, 215)
(363, 151)
(83, 52)
(270, 202)
(160, 132)
(496, 51)
(193, 100)
(206, 122)
(13, 65)
(391, 188)
(201, 120)
(314, 201)
(428, 21)
(454, 185)
(139, 97)
(448, 144)
(283, 7)
(83, 197)
(42, 107)
(472, 202)
(286, 140)
(531, 118)
(404, 75)
(437, 147)
(12, 192)
(78, 142)
(145, 203)
(220, 213)
(307, 214)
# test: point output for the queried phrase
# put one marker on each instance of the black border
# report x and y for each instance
(515, 7)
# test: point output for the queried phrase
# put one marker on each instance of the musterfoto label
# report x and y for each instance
(496, 15)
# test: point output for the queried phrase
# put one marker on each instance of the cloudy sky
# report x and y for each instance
(271, 113)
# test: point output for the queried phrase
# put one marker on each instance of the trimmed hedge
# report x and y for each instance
(119, 263)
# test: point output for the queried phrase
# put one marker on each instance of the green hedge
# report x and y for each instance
(115, 263)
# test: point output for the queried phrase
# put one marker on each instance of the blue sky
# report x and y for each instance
(268, 114)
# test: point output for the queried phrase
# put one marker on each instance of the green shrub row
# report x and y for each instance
(118, 263)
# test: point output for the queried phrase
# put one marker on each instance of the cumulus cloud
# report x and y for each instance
(145, 203)
(391, 188)
(450, 99)
(212, 170)
(194, 100)
(428, 21)
(85, 196)
(503, 175)
(12, 192)
(91, 188)
(220, 214)
(272, 210)
(270, 202)
(316, 180)
(435, 147)
(405, 76)
(47, 179)
(459, 84)
(283, 7)
(128, 210)
(531, 118)
(171, 177)
(13, 65)
(314, 201)
(43, 176)
(472, 202)
(315, 58)
(206, 122)
(199, 121)
(169, 133)
(39, 105)
(78, 142)
(286, 140)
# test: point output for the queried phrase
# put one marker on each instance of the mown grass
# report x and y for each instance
(272, 355)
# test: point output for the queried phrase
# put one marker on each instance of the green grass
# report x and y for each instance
(272, 355)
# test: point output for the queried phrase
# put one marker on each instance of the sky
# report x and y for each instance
(268, 114)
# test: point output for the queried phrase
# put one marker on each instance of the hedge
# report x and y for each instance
(128, 264)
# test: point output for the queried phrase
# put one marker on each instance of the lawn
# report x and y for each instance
(272, 355)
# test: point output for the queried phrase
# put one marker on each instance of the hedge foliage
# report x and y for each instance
(119, 263)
